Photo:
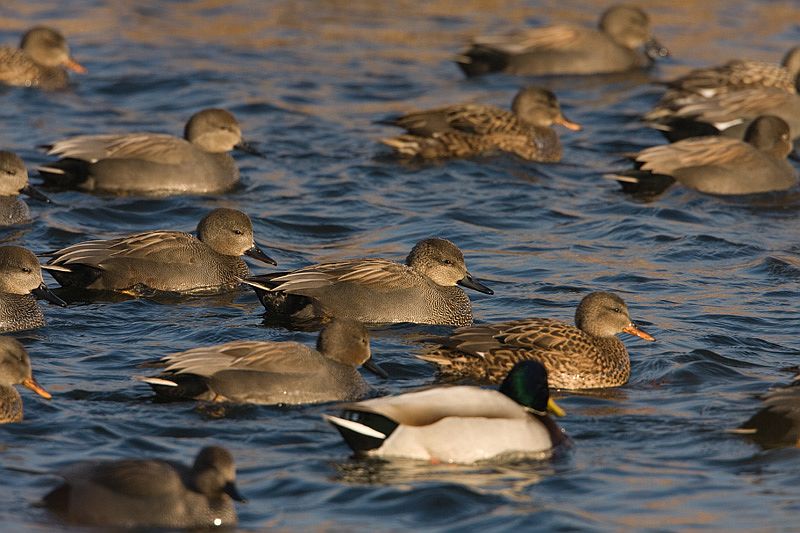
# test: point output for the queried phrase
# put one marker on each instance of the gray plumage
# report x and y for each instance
(586, 355)
(613, 47)
(15, 369)
(777, 423)
(20, 282)
(152, 163)
(422, 291)
(149, 492)
(721, 165)
(164, 260)
(264, 372)
(472, 129)
(40, 61)
(13, 181)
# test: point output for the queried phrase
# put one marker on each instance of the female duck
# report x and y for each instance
(15, 369)
(586, 355)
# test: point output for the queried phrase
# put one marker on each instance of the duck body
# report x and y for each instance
(262, 372)
(39, 62)
(423, 291)
(459, 424)
(589, 356)
(20, 283)
(164, 260)
(151, 163)
(565, 50)
(148, 493)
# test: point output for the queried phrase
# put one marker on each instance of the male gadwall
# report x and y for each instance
(718, 165)
(777, 424)
(152, 163)
(459, 424)
(264, 372)
(39, 61)
(422, 291)
(20, 284)
(147, 493)
(472, 129)
(584, 356)
(726, 99)
(13, 181)
(614, 47)
(164, 260)
(15, 369)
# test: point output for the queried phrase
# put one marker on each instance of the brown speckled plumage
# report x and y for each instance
(589, 356)
(15, 369)
(473, 129)
(40, 61)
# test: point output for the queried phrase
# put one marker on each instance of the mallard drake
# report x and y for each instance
(460, 424)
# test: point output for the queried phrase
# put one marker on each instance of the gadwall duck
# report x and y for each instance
(718, 165)
(15, 369)
(164, 260)
(459, 424)
(614, 47)
(584, 356)
(777, 424)
(727, 98)
(148, 493)
(263, 372)
(473, 129)
(13, 181)
(422, 291)
(152, 163)
(40, 61)
(20, 284)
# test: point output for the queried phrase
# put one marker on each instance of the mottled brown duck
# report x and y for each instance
(15, 369)
(40, 61)
(584, 356)
(473, 129)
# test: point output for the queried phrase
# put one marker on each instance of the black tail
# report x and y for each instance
(363, 431)
(479, 60)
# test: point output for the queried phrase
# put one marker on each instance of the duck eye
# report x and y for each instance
(447, 262)
(238, 232)
(26, 270)
(616, 309)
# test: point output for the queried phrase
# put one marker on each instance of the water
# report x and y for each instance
(714, 280)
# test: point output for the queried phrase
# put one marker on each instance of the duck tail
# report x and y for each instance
(407, 145)
(362, 431)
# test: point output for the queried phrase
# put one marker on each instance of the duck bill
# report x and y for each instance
(633, 330)
(36, 194)
(31, 384)
(44, 293)
(231, 490)
(256, 253)
(567, 123)
(74, 66)
(554, 408)
(655, 49)
(471, 283)
(248, 148)
(375, 369)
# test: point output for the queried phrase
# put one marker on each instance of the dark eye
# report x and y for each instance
(616, 309)
(447, 262)
(238, 232)
(26, 270)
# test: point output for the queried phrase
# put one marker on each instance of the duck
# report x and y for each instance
(725, 99)
(152, 163)
(777, 423)
(13, 182)
(563, 50)
(467, 130)
(163, 260)
(21, 283)
(15, 369)
(40, 61)
(586, 355)
(265, 372)
(716, 164)
(149, 493)
(376, 291)
(458, 424)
